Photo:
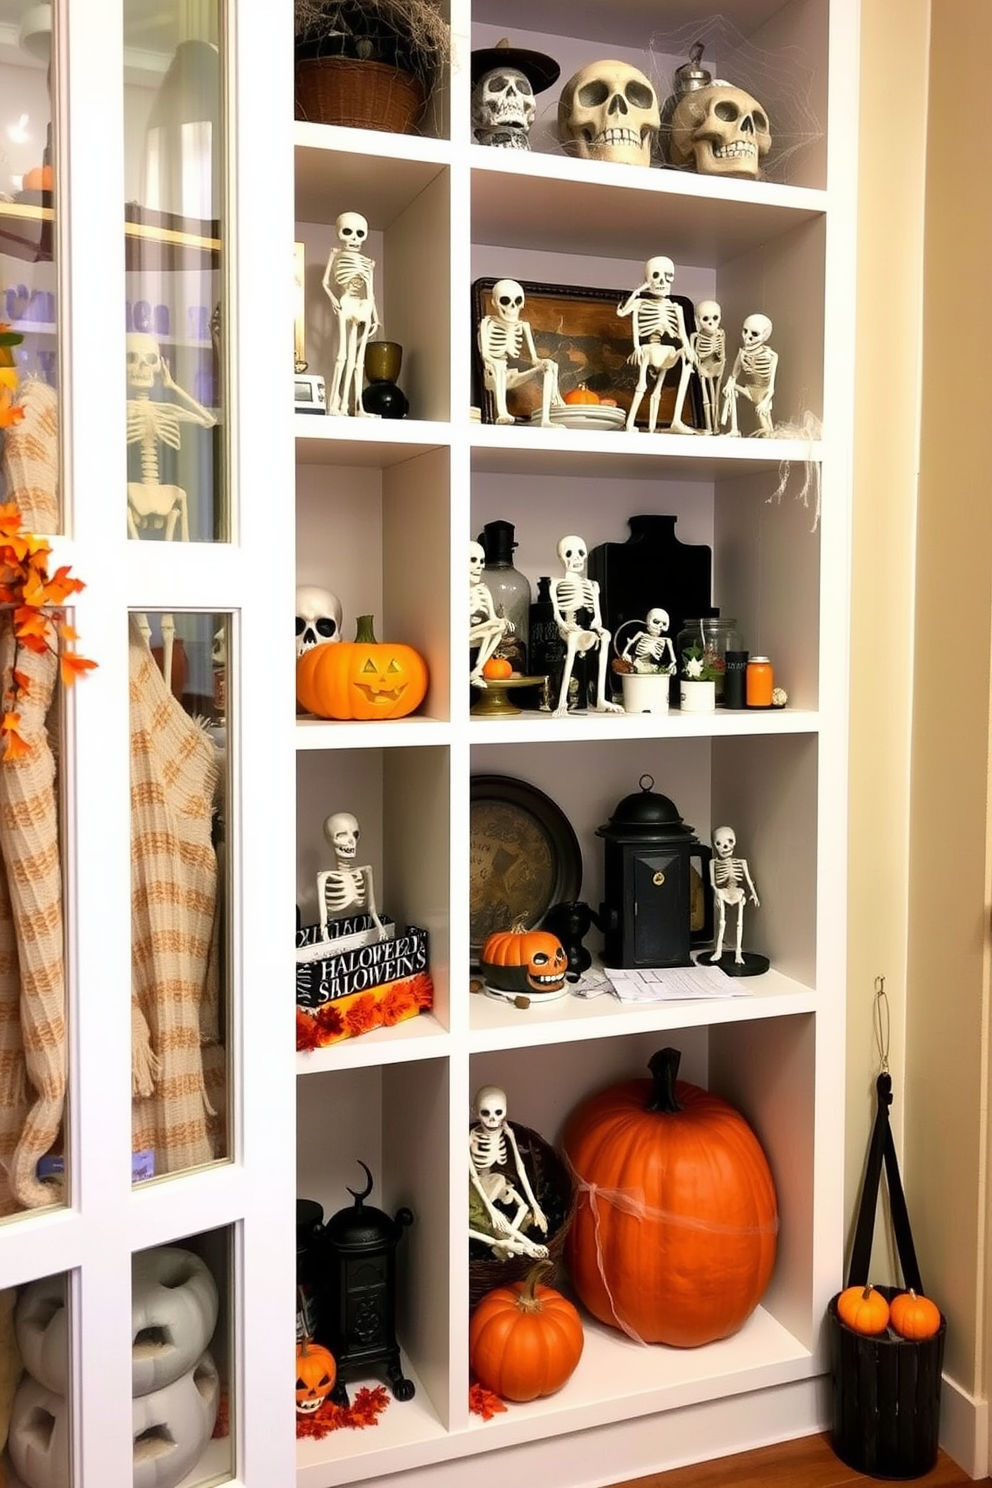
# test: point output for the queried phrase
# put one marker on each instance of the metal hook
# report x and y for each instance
(880, 1022)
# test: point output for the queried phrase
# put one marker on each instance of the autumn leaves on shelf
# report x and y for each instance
(36, 601)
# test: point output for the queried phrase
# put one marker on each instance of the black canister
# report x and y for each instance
(309, 1270)
(735, 680)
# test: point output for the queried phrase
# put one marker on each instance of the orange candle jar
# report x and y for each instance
(760, 681)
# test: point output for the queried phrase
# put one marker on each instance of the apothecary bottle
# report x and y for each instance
(707, 639)
(510, 591)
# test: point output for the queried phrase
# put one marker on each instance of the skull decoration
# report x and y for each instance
(721, 130)
(609, 111)
(318, 617)
(144, 361)
(503, 109)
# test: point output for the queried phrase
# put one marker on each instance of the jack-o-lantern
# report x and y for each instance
(524, 961)
(172, 1426)
(38, 1436)
(41, 1332)
(173, 1315)
(361, 679)
(316, 1371)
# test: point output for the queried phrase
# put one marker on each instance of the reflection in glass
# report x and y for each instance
(179, 895)
(174, 183)
(34, 1329)
(180, 1361)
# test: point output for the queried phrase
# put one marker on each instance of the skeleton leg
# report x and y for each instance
(488, 638)
(573, 645)
(335, 402)
(602, 705)
(497, 377)
(507, 1245)
(739, 956)
(168, 641)
(639, 391)
(677, 426)
(711, 402)
(721, 927)
(549, 392)
(363, 341)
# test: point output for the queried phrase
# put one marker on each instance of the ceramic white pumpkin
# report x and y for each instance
(40, 1327)
(173, 1315)
(38, 1436)
(172, 1426)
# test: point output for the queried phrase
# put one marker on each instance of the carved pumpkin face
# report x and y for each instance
(361, 679)
(525, 961)
(316, 1372)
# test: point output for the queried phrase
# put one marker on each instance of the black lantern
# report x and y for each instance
(659, 902)
(359, 1305)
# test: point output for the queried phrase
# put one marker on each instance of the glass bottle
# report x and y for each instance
(547, 649)
(510, 591)
(709, 638)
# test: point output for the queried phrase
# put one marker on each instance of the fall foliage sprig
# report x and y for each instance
(36, 601)
(10, 412)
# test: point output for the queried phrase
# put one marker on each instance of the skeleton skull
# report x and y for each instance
(657, 622)
(708, 314)
(508, 300)
(342, 832)
(660, 274)
(318, 617)
(609, 111)
(476, 562)
(572, 552)
(756, 330)
(352, 229)
(503, 108)
(490, 1107)
(720, 129)
(144, 361)
(724, 841)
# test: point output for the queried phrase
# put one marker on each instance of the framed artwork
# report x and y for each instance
(581, 331)
(523, 857)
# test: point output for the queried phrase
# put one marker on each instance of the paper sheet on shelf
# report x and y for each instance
(674, 983)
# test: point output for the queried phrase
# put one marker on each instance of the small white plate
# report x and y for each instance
(584, 416)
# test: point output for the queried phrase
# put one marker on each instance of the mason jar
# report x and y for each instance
(708, 639)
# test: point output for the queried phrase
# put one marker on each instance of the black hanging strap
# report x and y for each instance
(882, 1148)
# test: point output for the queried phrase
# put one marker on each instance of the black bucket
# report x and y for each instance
(886, 1398)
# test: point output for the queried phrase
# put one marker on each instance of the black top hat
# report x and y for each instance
(539, 70)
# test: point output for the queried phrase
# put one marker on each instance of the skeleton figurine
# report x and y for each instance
(575, 598)
(505, 338)
(486, 628)
(345, 889)
(753, 376)
(651, 649)
(492, 1152)
(348, 285)
(151, 422)
(660, 342)
(709, 342)
(731, 881)
(505, 80)
(318, 617)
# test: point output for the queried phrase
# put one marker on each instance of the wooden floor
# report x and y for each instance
(807, 1463)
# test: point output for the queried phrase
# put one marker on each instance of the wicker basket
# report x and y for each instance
(361, 95)
(555, 1192)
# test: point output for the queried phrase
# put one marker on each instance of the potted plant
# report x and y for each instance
(369, 64)
(698, 679)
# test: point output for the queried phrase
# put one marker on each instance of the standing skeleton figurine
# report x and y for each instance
(709, 342)
(660, 342)
(348, 285)
(575, 598)
(486, 628)
(152, 506)
(492, 1150)
(505, 338)
(345, 889)
(732, 885)
(753, 376)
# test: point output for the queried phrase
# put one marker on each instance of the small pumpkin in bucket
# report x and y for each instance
(864, 1309)
(914, 1316)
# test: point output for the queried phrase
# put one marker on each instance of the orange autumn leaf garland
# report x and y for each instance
(36, 600)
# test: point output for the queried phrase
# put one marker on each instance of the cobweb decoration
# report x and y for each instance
(780, 79)
(809, 430)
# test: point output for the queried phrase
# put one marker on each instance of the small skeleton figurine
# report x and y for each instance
(345, 889)
(732, 884)
(660, 342)
(580, 624)
(492, 1153)
(709, 342)
(505, 338)
(651, 649)
(486, 628)
(753, 376)
(348, 285)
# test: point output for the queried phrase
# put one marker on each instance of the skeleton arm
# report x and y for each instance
(370, 901)
(187, 407)
(754, 893)
(537, 1213)
(630, 302)
(500, 1222)
(765, 402)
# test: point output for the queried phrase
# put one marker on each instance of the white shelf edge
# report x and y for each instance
(344, 140)
(422, 1037)
(382, 733)
(542, 728)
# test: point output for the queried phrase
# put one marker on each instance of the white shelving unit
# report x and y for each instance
(384, 513)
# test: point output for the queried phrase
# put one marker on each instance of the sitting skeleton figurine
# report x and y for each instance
(651, 649)
(660, 342)
(709, 342)
(345, 889)
(732, 885)
(499, 1210)
(486, 628)
(753, 376)
(505, 338)
(575, 598)
(349, 287)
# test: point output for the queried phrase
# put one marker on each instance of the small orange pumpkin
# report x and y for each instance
(581, 394)
(864, 1309)
(497, 667)
(914, 1316)
(525, 1339)
(316, 1372)
(38, 178)
(524, 961)
(361, 679)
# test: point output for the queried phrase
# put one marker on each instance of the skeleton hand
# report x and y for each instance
(501, 1222)
(764, 405)
(539, 1219)
(167, 379)
(755, 900)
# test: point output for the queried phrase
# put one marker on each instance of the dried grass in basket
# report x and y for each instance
(358, 94)
(555, 1192)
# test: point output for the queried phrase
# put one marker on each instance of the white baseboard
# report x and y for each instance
(964, 1429)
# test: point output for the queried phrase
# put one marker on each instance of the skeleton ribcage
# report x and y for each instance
(502, 340)
(757, 363)
(352, 271)
(728, 873)
(151, 421)
(657, 321)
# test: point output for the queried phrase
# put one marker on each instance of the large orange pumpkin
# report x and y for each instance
(525, 1339)
(524, 961)
(361, 678)
(674, 1237)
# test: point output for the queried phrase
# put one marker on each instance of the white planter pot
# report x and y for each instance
(644, 692)
(697, 697)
